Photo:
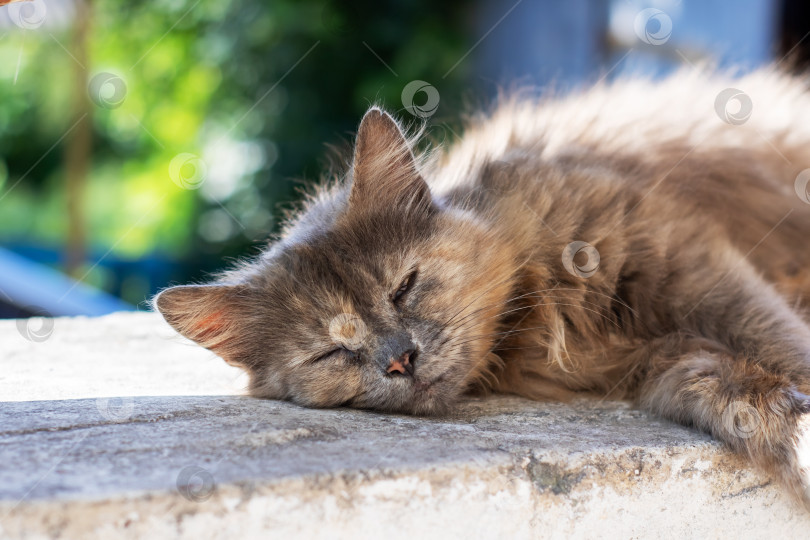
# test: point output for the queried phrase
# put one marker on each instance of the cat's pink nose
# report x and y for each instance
(403, 364)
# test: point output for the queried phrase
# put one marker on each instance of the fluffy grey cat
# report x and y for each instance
(641, 240)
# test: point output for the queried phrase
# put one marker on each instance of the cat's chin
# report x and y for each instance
(430, 397)
(429, 406)
(436, 396)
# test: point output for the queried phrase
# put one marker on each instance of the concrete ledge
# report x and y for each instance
(113, 428)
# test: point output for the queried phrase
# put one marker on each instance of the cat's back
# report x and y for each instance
(725, 151)
(766, 111)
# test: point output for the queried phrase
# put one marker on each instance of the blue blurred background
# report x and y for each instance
(149, 143)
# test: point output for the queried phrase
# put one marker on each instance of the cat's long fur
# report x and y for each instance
(624, 242)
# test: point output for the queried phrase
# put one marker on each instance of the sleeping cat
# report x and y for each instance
(641, 240)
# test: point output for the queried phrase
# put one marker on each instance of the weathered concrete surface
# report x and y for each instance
(178, 453)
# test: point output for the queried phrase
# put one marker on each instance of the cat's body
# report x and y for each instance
(676, 203)
(628, 242)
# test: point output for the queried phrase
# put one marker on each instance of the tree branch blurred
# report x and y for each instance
(78, 149)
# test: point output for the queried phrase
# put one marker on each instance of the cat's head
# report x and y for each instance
(378, 296)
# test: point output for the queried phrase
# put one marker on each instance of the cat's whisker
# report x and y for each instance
(489, 306)
(530, 306)
(538, 293)
(588, 291)
(478, 297)
(511, 276)
(462, 379)
(513, 331)
(606, 318)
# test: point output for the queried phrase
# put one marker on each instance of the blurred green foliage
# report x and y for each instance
(253, 88)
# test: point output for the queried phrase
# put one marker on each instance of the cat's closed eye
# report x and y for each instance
(404, 287)
(328, 355)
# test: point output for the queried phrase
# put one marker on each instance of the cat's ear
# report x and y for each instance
(209, 315)
(384, 171)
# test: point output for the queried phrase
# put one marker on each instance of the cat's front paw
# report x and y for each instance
(802, 457)
(792, 455)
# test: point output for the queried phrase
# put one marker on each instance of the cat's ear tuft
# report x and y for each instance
(384, 171)
(206, 314)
